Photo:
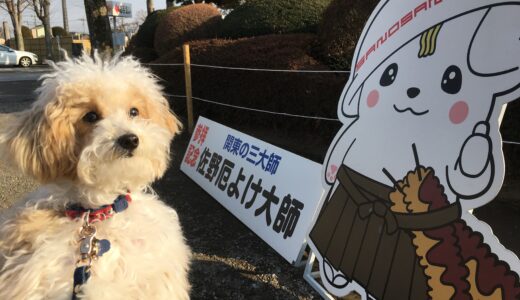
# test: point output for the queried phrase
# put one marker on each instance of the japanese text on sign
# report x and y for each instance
(213, 166)
(269, 162)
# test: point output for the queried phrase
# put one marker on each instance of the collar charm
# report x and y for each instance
(91, 248)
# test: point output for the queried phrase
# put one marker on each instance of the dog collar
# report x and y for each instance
(102, 213)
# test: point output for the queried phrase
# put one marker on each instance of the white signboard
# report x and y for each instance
(119, 9)
(272, 191)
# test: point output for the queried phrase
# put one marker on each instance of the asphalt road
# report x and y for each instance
(17, 88)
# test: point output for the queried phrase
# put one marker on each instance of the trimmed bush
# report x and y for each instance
(339, 31)
(225, 4)
(143, 54)
(297, 93)
(191, 22)
(59, 31)
(510, 132)
(144, 38)
(260, 17)
(26, 32)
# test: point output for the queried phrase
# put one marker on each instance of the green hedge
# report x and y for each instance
(314, 94)
(260, 17)
(144, 38)
(191, 22)
(26, 32)
(339, 31)
(59, 31)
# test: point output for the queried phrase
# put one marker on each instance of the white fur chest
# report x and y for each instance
(148, 258)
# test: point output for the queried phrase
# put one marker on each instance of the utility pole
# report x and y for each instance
(99, 25)
(7, 34)
(83, 20)
(65, 15)
(149, 6)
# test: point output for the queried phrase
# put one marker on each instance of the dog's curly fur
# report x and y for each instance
(79, 161)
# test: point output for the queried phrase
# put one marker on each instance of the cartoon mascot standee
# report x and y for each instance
(419, 148)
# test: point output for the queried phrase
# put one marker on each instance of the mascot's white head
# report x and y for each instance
(434, 74)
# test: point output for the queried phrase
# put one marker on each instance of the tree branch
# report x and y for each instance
(27, 4)
(9, 6)
(38, 9)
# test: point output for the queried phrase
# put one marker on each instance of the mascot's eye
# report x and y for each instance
(451, 80)
(389, 75)
(91, 117)
(133, 112)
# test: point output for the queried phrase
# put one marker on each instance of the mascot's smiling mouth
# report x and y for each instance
(411, 110)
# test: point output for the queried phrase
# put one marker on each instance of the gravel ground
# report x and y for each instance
(13, 185)
(230, 262)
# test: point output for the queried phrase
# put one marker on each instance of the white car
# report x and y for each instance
(10, 56)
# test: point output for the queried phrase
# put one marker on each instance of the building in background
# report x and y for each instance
(38, 32)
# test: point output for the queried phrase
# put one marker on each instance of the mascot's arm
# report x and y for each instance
(338, 150)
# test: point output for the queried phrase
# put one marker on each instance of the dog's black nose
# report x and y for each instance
(128, 141)
(413, 92)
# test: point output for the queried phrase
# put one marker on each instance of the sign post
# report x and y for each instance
(187, 79)
(117, 9)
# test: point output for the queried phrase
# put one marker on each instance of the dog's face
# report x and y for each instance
(100, 124)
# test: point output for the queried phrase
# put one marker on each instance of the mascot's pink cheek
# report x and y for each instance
(372, 98)
(459, 112)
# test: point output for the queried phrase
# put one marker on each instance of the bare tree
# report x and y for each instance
(149, 6)
(42, 10)
(15, 9)
(140, 16)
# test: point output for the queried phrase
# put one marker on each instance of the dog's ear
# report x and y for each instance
(40, 142)
(161, 113)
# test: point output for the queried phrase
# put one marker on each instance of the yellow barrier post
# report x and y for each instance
(187, 78)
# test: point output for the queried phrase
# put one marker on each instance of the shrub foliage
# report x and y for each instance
(59, 31)
(510, 132)
(192, 22)
(339, 31)
(226, 4)
(313, 94)
(144, 38)
(26, 32)
(259, 17)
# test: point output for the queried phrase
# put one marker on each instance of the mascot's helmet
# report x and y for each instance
(394, 23)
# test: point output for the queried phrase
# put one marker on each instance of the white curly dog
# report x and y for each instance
(98, 135)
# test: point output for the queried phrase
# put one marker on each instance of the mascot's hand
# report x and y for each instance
(475, 154)
(474, 169)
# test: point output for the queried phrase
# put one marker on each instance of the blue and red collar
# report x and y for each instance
(102, 213)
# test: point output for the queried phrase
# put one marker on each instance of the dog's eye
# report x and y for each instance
(91, 117)
(134, 112)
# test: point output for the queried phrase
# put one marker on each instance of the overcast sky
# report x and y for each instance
(76, 10)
